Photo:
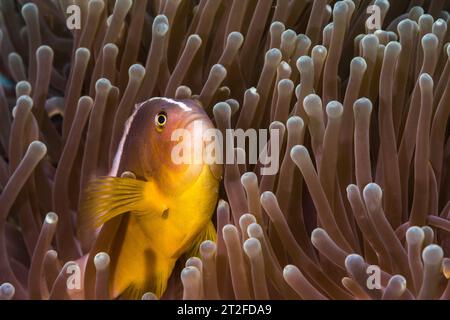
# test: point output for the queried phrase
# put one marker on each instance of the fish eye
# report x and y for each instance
(161, 120)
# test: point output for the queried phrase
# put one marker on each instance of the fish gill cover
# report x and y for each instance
(359, 91)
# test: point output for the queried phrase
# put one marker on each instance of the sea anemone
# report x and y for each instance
(363, 189)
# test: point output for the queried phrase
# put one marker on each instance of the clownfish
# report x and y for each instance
(150, 218)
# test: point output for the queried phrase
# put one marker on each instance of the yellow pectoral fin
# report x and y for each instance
(209, 233)
(108, 197)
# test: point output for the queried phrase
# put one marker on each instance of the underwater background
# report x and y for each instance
(359, 89)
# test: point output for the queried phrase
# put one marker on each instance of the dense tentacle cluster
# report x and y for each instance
(363, 182)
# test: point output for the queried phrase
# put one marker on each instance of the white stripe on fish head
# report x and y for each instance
(118, 155)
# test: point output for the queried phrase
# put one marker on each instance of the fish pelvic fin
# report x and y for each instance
(208, 233)
(108, 197)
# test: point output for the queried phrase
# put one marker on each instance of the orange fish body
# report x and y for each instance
(148, 222)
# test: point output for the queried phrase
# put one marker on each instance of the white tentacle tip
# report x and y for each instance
(273, 56)
(249, 178)
(267, 197)
(222, 110)
(295, 123)
(255, 231)
(236, 39)
(51, 218)
(334, 109)
(247, 219)
(101, 261)
(399, 282)
(363, 104)
(44, 52)
(161, 25)
(394, 48)
(290, 273)
(25, 101)
(432, 254)
(136, 71)
(372, 190)
(39, 148)
(359, 64)
(222, 204)
(149, 296)
(298, 153)
(352, 260)
(430, 42)
(252, 247)
(370, 41)
(83, 53)
(304, 63)
(320, 52)
(208, 248)
(426, 81)
(102, 85)
(415, 235)
(229, 231)
(190, 275)
(318, 234)
(7, 291)
(29, 9)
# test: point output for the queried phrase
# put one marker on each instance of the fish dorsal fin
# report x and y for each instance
(108, 197)
(209, 233)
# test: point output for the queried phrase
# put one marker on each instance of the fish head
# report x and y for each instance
(164, 141)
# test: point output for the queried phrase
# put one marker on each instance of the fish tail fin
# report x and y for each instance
(208, 233)
(108, 197)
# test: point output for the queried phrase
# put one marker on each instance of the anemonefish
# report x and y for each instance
(160, 212)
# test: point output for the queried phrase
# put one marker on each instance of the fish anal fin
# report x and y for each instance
(133, 292)
(154, 281)
(208, 233)
(157, 284)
